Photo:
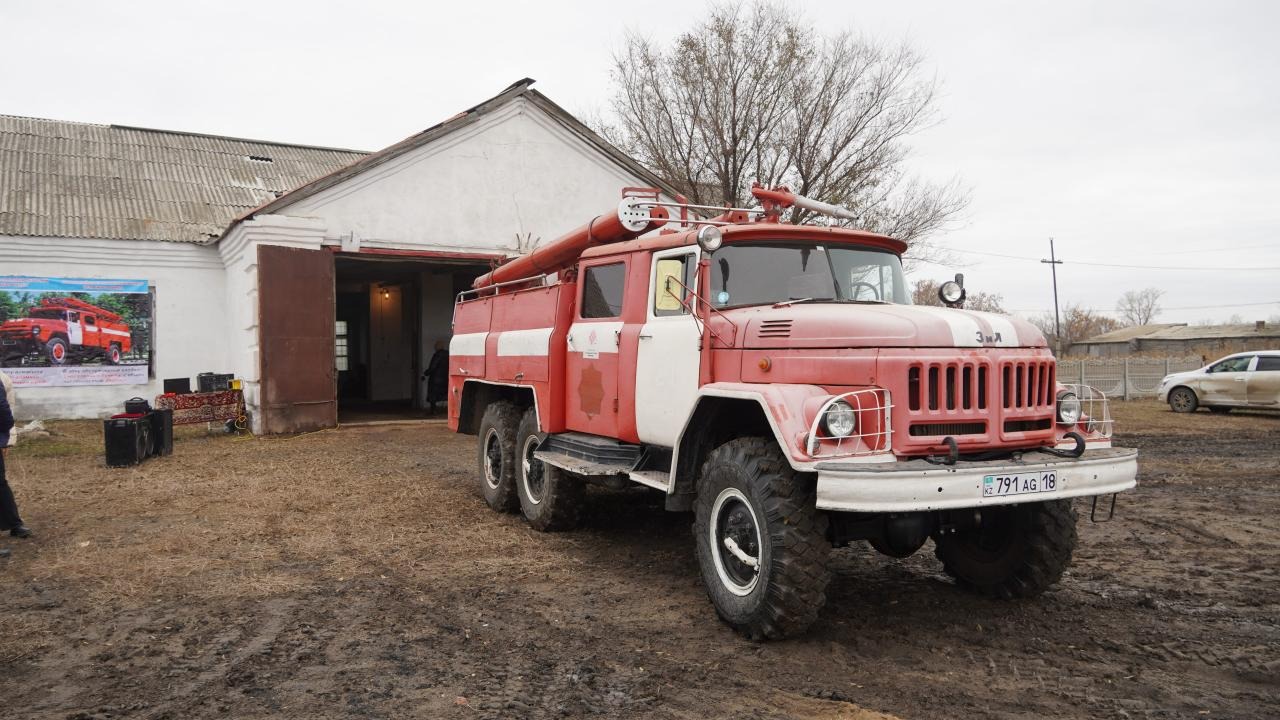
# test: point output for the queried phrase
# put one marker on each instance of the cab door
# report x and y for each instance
(1226, 382)
(75, 334)
(668, 354)
(591, 363)
(92, 333)
(1264, 382)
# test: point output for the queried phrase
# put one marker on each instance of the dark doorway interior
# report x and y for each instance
(391, 313)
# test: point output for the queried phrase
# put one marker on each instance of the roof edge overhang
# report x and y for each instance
(520, 88)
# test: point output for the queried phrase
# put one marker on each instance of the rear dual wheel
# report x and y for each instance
(550, 498)
(498, 456)
(511, 478)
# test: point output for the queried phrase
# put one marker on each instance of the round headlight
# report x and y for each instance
(950, 292)
(840, 420)
(36, 331)
(709, 237)
(1068, 408)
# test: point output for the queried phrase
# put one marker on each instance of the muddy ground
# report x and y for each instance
(354, 573)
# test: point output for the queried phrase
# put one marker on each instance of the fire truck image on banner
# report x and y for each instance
(71, 331)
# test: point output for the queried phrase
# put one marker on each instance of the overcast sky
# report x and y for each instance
(1144, 134)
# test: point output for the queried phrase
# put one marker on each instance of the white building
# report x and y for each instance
(257, 253)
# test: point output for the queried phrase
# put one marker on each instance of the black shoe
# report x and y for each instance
(22, 531)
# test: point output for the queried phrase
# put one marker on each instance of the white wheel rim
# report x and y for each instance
(715, 541)
(492, 475)
(527, 461)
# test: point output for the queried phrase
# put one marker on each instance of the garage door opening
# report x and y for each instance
(392, 316)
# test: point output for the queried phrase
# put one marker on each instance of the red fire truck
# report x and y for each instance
(65, 329)
(776, 380)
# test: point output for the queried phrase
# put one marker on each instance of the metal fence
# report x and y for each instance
(1124, 378)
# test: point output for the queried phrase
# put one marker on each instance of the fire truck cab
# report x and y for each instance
(775, 379)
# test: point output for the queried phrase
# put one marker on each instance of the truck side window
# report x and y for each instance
(1268, 363)
(89, 320)
(669, 275)
(602, 288)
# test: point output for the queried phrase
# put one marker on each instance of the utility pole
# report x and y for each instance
(1053, 262)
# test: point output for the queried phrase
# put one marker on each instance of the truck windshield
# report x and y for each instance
(48, 313)
(765, 273)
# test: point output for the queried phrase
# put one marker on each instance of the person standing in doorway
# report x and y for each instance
(9, 519)
(437, 376)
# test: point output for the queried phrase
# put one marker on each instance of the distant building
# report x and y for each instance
(1181, 339)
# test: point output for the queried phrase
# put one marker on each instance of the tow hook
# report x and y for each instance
(743, 558)
(1111, 511)
(953, 453)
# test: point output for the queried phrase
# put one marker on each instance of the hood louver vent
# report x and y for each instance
(775, 328)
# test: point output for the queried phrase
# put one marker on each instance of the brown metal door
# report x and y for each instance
(296, 314)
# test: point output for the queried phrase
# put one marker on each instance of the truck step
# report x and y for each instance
(594, 449)
(581, 466)
(653, 478)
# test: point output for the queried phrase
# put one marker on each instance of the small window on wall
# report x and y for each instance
(340, 345)
(602, 288)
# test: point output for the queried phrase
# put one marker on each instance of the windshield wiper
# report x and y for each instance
(796, 301)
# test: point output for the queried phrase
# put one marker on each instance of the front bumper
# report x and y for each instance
(21, 345)
(916, 485)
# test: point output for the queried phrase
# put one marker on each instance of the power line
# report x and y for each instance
(1100, 264)
(1185, 307)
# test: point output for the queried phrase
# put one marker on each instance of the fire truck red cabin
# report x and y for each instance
(776, 380)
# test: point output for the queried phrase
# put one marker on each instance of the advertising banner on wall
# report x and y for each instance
(75, 331)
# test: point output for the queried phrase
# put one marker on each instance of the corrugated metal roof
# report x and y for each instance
(1130, 333)
(68, 179)
(1184, 332)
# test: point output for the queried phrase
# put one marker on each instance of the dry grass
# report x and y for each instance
(230, 517)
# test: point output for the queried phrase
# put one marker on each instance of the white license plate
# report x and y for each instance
(1019, 483)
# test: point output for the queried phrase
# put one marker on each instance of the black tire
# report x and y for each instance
(550, 498)
(497, 456)
(1183, 400)
(1018, 552)
(748, 492)
(57, 351)
(113, 354)
(1220, 410)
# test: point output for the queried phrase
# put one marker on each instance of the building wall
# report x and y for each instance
(516, 171)
(189, 318)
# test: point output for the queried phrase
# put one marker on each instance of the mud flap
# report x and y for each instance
(1095, 516)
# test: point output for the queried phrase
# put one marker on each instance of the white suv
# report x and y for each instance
(1243, 380)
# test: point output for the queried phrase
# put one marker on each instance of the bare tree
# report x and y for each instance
(925, 292)
(1078, 323)
(1140, 307)
(755, 92)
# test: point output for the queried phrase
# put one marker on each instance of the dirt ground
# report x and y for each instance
(355, 573)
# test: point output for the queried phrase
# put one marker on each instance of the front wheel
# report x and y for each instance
(761, 541)
(1017, 550)
(550, 498)
(1183, 400)
(57, 351)
(114, 354)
